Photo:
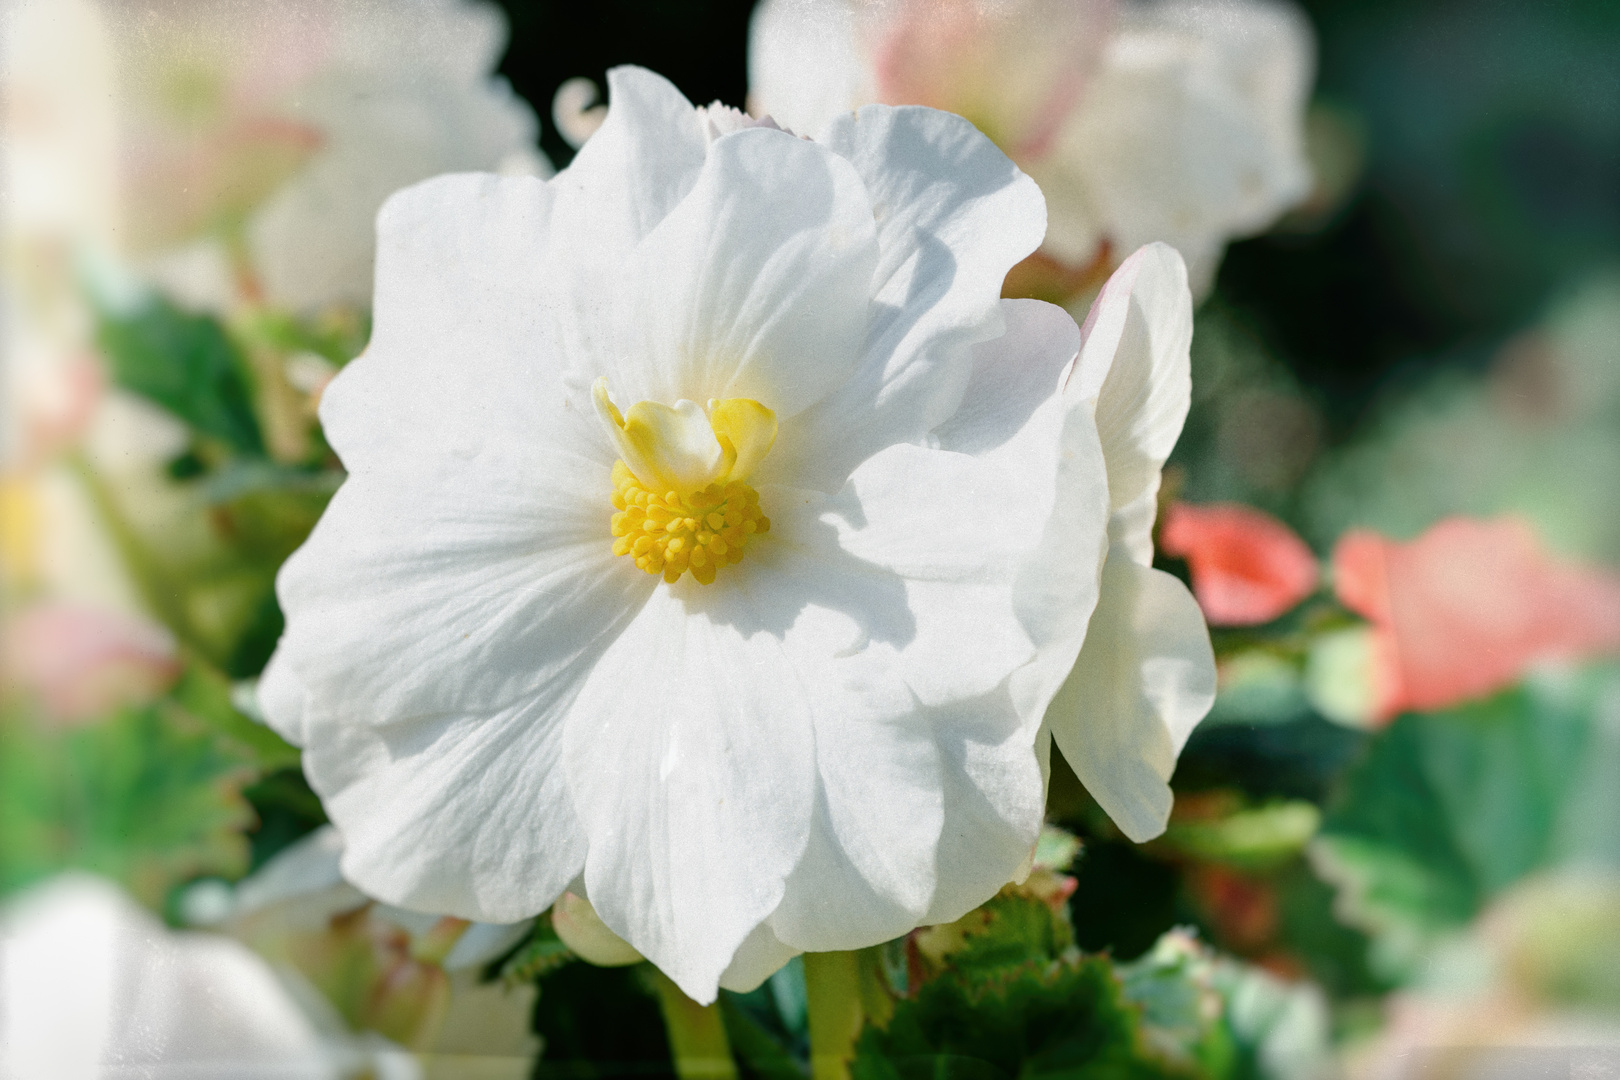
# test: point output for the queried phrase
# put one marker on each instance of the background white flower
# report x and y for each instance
(294, 121)
(91, 985)
(1180, 120)
(833, 743)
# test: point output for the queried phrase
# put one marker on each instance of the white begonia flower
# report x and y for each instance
(93, 986)
(820, 733)
(302, 117)
(1146, 674)
(1179, 121)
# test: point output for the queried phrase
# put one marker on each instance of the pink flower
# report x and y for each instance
(1467, 607)
(1179, 121)
(81, 662)
(1247, 567)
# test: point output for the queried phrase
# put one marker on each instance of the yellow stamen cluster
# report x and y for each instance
(672, 533)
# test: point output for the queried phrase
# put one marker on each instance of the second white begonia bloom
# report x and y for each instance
(714, 539)
(1175, 120)
(292, 122)
(1146, 675)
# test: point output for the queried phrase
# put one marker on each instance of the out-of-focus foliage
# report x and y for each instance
(186, 364)
(1447, 810)
(149, 796)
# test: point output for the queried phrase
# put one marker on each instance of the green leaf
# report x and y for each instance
(1252, 837)
(148, 797)
(186, 364)
(1065, 1018)
(206, 695)
(764, 1052)
(1449, 809)
(541, 953)
(1224, 1018)
(1182, 1013)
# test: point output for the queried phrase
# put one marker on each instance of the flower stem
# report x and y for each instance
(697, 1036)
(832, 982)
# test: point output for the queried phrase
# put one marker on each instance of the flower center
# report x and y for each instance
(680, 484)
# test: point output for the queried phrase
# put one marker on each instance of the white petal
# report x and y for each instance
(281, 699)
(1134, 364)
(690, 757)
(451, 592)
(759, 957)
(994, 803)
(756, 285)
(953, 216)
(626, 178)
(1145, 677)
(988, 623)
(804, 63)
(462, 346)
(869, 870)
(464, 815)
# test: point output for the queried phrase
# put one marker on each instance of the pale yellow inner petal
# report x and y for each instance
(680, 485)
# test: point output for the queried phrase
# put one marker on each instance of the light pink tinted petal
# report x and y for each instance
(1145, 677)
(756, 285)
(1015, 69)
(805, 65)
(1134, 364)
(691, 760)
(953, 216)
(1191, 132)
(466, 815)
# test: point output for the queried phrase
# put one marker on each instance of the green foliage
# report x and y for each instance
(186, 364)
(1247, 837)
(600, 1022)
(541, 953)
(1003, 992)
(206, 695)
(1059, 1019)
(1009, 931)
(1449, 809)
(148, 796)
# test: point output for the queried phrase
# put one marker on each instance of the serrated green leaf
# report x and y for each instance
(1065, 1018)
(148, 797)
(206, 695)
(1010, 930)
(186, 364)
(1449, 809)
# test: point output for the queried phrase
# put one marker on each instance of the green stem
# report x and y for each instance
(157, 589)
(697, 1035)
(832, 982)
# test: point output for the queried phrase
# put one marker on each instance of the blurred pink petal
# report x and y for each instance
(1467, 607)
(81, 662)
(1015, 69)
(1247, 567)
